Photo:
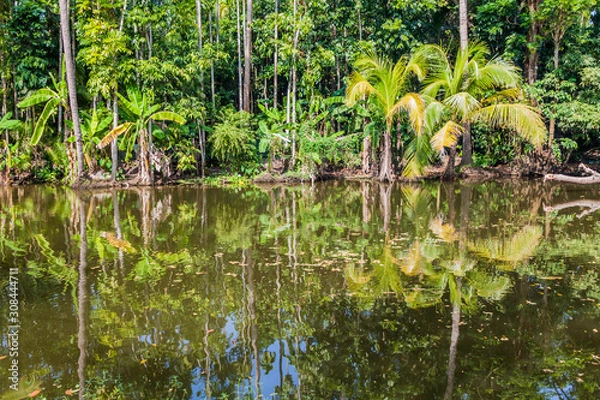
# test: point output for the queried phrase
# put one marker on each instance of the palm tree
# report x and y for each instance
(386, 84)
(476, 89)
(139, 111)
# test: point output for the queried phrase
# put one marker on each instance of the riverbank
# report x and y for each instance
(217, 178)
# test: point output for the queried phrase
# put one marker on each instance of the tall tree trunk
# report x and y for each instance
(201, 135)
(294, 79)
(532, 39)
(144, 162)
(360, 28)
(61, 111)
(248, 57)
(202, 141)
(464, 24)
(114, 150)
(366, 155)
(6, 178)
(212, 60)
(239, 56)
(71, 86)
(276, 54)
(467, 157)
(385, 171)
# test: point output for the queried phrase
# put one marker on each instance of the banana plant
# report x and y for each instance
(138, 110)
(93, 125)
(272, 131)
(53, 98)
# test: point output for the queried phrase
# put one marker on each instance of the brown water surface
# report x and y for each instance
(332, 291)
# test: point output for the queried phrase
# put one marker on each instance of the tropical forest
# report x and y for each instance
(299, 199)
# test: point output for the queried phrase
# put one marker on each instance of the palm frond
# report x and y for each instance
(514, 94)
(415, 107)
(519, 247)
(358, 88)
(446, 136)
(417, 155)
(413, 263)
(495, 74)
(489, 286)
(462, 104)
(445, 232)
(526, 121)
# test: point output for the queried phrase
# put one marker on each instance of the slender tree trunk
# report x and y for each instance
(61, 111)
(6, 178)
(556, 53)
(464, 24)
(114, 150)
(201, 134)
(467, 151)
(294, 79)
(70, 66)
(239, 54)
(366, 155)
(532, 42)
(248, 57)
(144, 162)
(212, 60)
(276, 54)
(114, 146)
(122, 20)
(385, 171)
(201, 141)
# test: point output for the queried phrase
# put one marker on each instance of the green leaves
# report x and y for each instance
(41, 96)
(40, 125)
(167, 116)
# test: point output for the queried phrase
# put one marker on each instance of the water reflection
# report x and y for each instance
(337, 290)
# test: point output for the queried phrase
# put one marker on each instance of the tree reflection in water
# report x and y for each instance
(337, 290)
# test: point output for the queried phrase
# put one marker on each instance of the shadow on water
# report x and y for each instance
(337, 290)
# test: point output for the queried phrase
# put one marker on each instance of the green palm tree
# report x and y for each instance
(386, 85)
(475, 89)
(139, 112)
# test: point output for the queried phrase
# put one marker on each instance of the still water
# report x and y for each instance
(333, 291)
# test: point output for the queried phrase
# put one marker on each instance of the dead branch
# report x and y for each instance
(590, 206)
(594, 177)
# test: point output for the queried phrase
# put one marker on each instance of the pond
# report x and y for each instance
(339, 290)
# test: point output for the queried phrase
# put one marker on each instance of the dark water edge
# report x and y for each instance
(345, 290)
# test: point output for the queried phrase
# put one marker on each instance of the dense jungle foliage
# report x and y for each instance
(171, 89)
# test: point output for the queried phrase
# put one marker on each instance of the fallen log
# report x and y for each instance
(594, 177)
